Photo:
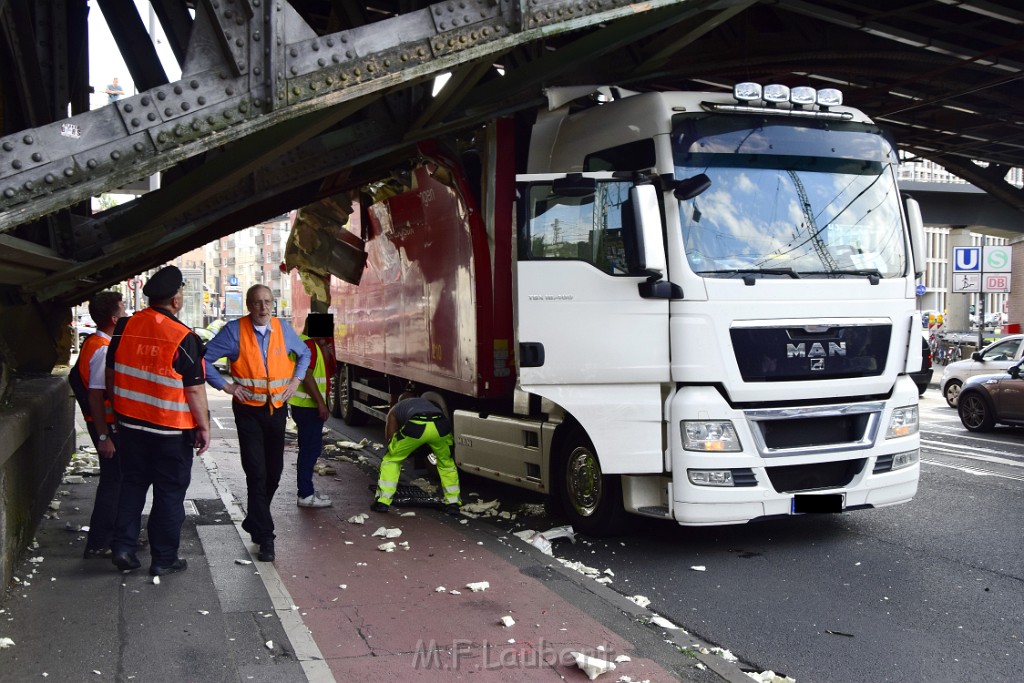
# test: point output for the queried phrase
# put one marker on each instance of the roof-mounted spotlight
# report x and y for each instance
(776, 93)
(830, 97)
(803, 96)
(747, 92)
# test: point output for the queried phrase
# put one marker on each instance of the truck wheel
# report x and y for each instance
(592, 500)
(346, 397)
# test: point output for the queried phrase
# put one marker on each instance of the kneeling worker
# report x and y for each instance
(411, 423)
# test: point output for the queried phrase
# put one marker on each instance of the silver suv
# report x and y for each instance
(995, 357)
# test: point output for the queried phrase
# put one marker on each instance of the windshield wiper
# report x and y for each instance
(865, 272)
(753, 271)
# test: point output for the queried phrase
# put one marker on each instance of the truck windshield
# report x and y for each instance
(789, 198)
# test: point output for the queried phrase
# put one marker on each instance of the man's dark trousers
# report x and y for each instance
(104, 509)
(261, 443)
(165, 463)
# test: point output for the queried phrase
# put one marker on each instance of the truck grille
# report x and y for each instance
(814, 431)
(804, 430)
(794, 353)
(827, 475)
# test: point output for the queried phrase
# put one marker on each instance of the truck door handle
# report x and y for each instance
(531, 354)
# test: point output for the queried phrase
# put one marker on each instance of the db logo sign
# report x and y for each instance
(997, 283)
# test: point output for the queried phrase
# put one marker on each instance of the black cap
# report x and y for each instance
(164, 284)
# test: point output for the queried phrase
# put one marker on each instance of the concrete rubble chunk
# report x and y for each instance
(384, 532)
(480, 507)
(592, 666)
(359, 519)
(507, 621)
(388, 547)
(478, 586)
(641, 600)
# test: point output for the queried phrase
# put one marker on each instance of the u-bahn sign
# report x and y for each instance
(981, 269)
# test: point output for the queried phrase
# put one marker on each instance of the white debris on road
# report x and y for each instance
(407, 514)
(640, 600)
(383, 532)
(440, 589)
(699, 568)
(359, 519)
(478, 586)
(352, 445)
(592, 666)
(770, 677)
(269, 644)
(5, 643)
(388, 547)
(243, 561)
(661, 621)
(507, 621)
(623, 658)
(488, 508)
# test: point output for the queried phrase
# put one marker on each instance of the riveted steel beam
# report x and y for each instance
(49, 167)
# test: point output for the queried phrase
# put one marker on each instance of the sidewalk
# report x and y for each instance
(331, 608)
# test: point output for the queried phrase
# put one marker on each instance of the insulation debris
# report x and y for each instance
(440, 589)
(770, 677)
(592, 666)
(388, 547)
(661, 621)
(507, 621)
(623, 658)
(641, 600)
(407, 514)
(484, 508)
(6, 642)
(352, 445)
(582, 569)
(360, 518)
(269, 644)
(699, 568)
(383, 532)
(156, 580)
(243, 561)
(324, 470)
(532, 509)
(454, 592)
(478, 586)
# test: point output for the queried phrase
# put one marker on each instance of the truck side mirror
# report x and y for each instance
(649, 240)
(916, 225)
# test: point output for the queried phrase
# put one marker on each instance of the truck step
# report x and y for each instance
(653, 510)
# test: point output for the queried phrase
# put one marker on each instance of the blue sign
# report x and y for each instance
(233, 281)
(921, 290)
(966, 259)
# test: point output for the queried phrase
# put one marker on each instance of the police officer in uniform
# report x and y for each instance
(155, 370)
(411, 423)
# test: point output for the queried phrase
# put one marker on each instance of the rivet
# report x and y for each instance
(344, 77)
(28, 186)
(356, 72)
(239, 42)
(344, 39)
(451, 7)
(296, 90)
(330, 42)
(257, 71)
(37, 157)
(136, 122)
(145, 100)
(229, 91)
(201, 100)
(92, 162)
(9, 193)
(474, 35)
(138, 147)
(486, 32)
(256, 37)
(293, 52)
(50, 178)
(370, 68)
(240, 64)
(179, 131)
(185, 106)
(312, 86)
(210, 120)
(177, 90)
(151, 116)
(168, 112)
(387, 63)
(316, 46)
(128, 108)
(421, 52)
(228, 14)
(443, 26)
(239, 21)
(451, 42)
(68, 172)
(463, 39)
(437, 11)
(329, 80)
(161, 95)
(115, 155)
(243, 107)
(322, 61)
(161, 138)
(194, 84)
(28, 139)
(16, 164)
(257, 103)
(227, 114)
(294, 70)
(336, 59)
(404, 57)
(8, 147)
(348, 54)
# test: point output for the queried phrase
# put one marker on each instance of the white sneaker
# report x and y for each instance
(314, 501)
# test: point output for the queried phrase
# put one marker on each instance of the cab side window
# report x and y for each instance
(596, 228)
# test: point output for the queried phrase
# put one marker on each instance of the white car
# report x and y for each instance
(994, 358)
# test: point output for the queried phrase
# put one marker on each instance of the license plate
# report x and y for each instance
(816, 503)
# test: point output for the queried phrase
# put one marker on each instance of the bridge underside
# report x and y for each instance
(284, 102)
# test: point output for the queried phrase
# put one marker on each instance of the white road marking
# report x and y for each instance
(977, 471)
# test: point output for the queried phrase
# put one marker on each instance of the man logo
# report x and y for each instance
(817, 350)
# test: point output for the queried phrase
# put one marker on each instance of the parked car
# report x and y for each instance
(987, 400)
(994, 358)
(923, 376)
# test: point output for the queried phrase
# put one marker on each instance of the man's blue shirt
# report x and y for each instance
(226, 344)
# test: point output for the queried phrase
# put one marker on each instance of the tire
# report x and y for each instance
(345, 399)
(975, 413)
(590, 499)
(951, 392)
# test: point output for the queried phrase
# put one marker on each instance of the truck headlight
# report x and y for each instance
(706, 435)
(901, 460)
(903, 422)
(710, 477)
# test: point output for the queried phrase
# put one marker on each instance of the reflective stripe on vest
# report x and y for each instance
(90, 346)
(252, 373)
(302, 399)
(146, 385)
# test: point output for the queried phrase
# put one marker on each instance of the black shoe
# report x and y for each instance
(452, 509)
(125, 561)
(266, 553)
(98, 554)
(179, 565)
(248, 529)
(378, 506)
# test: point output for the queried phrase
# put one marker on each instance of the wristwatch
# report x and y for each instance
(103, 437)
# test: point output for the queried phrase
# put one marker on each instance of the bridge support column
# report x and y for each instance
(37, 437)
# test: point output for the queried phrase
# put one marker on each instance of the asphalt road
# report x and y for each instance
(928, 591)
